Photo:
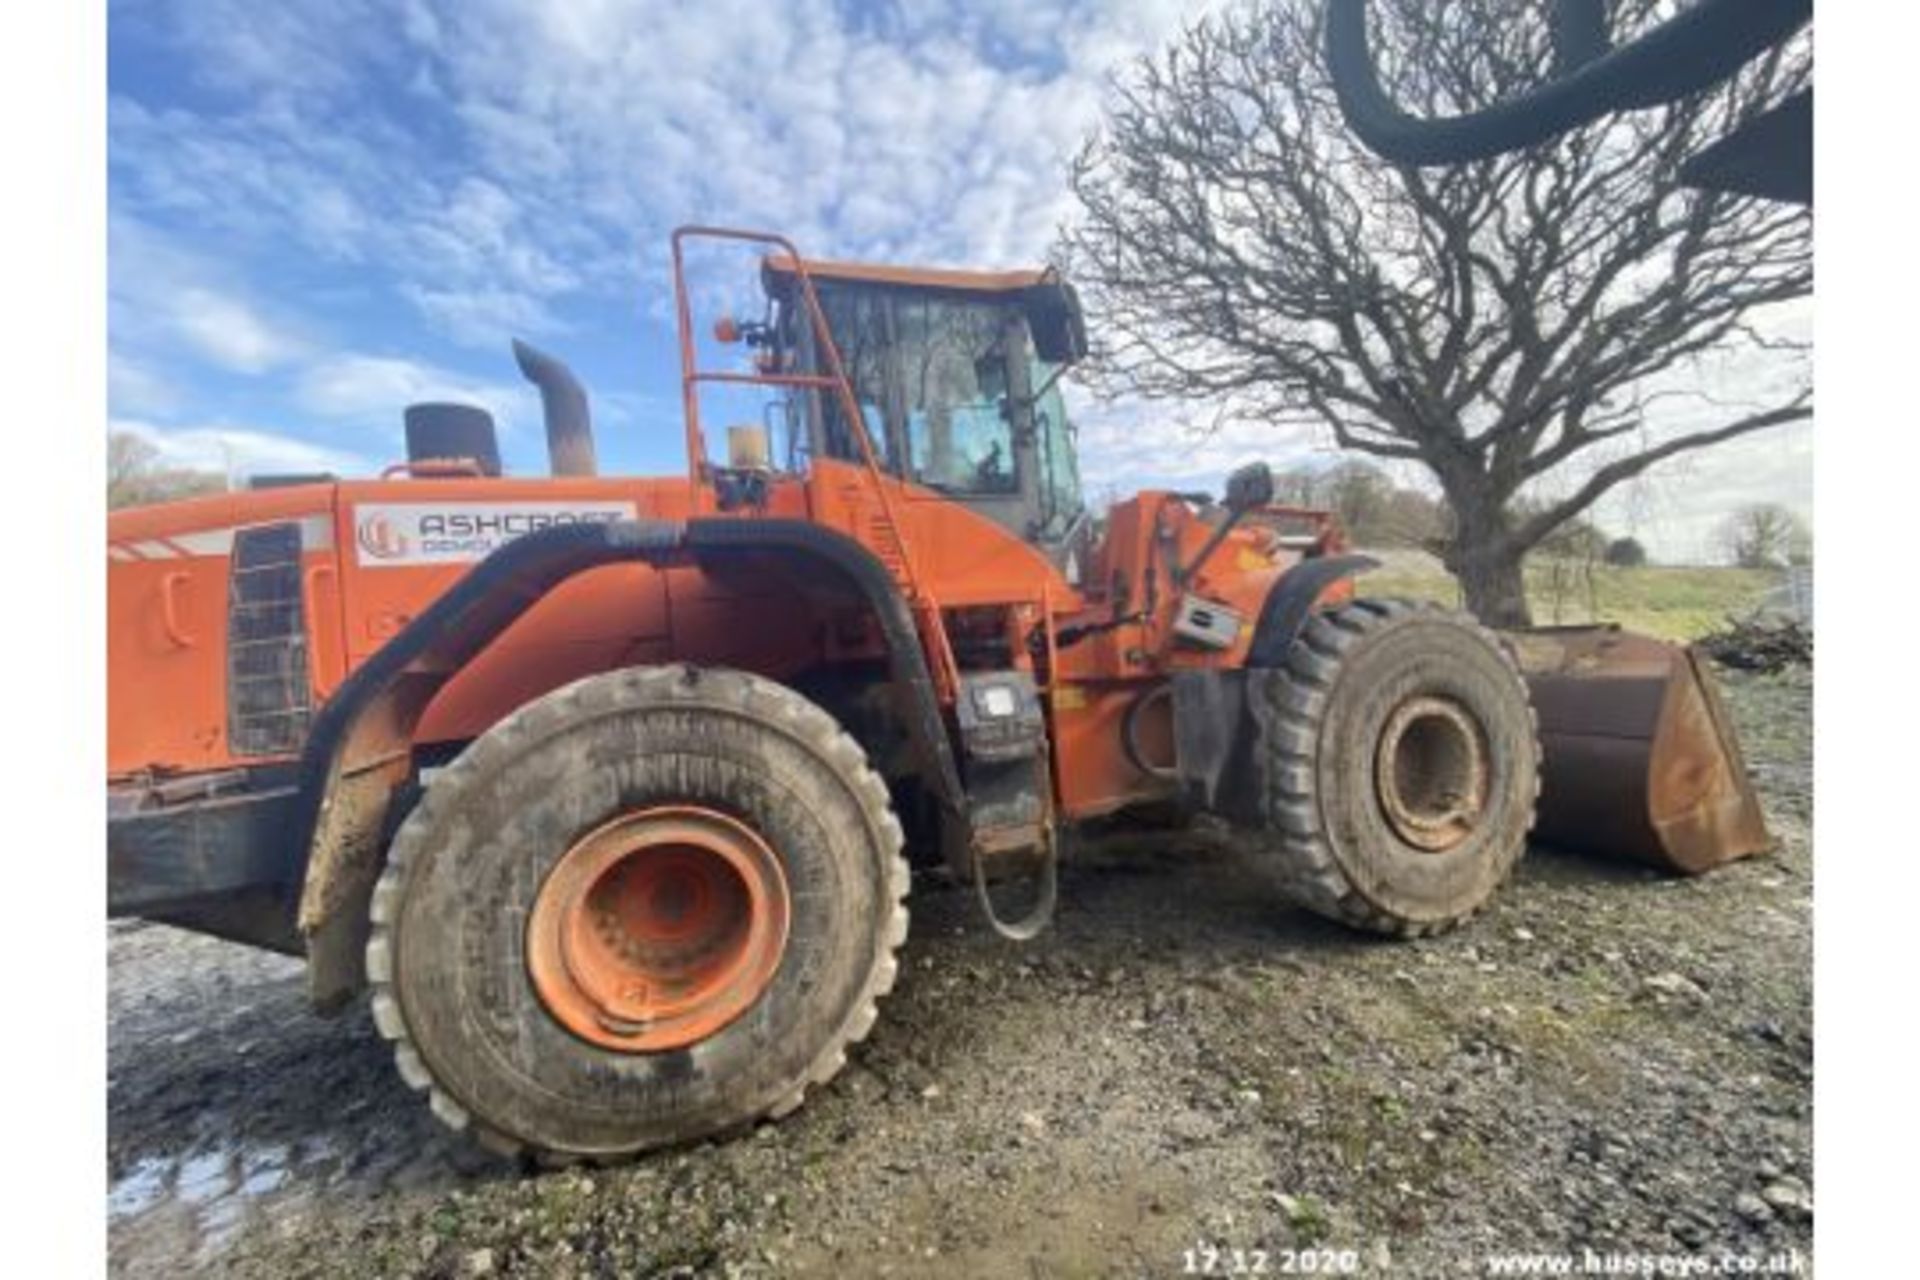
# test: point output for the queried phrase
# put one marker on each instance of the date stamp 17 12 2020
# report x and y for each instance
(1205, 1259)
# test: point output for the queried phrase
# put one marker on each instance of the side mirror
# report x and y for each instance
(1054, 317)
(1249, 487)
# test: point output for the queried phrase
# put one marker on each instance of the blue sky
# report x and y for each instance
(320, 212)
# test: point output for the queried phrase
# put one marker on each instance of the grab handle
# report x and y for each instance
(170, 611)
(432, 468)
(314, 622)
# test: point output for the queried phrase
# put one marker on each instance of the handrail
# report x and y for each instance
(691, 376)
(430, 467)
(310, 580)
(170, 585)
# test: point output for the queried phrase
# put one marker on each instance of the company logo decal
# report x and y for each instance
(381, 539)
(413, 533)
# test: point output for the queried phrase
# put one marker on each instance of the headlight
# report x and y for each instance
(995, 701)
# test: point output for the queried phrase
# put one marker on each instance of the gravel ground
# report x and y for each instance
(1605, 1060)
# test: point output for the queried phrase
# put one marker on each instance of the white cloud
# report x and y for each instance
(372, 390)
(559, 142)
(166, 300)
(1131, 446)
(240, 48)
(228, 332)
(484, 317)
(493, 163)
(239, 452)
(1677, 509)
(175, 313)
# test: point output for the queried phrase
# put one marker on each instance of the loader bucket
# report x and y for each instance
(1639, 758)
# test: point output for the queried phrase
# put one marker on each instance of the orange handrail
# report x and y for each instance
(169, 610)
(311, 581)
(435, 467)
(691, 376)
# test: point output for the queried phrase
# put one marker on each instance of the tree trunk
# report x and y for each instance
(1486, 561)
(1495, 588)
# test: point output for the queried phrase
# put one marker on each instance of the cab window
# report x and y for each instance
(953, 367)
(1059, 471)
(942, 381)
(860, 330)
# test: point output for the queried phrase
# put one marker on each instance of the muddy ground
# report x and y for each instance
(1605, 1060)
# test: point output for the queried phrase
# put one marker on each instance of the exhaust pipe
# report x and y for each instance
(443, 432)
(563, 401)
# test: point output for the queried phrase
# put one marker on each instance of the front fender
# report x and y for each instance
(1286, 609)
(1213, 734)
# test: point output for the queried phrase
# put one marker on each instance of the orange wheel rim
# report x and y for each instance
(657, 929)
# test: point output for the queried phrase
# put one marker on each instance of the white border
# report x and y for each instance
(54, 441)
(1866, 889)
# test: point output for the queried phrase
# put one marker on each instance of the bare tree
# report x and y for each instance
(1495, 321)
(135, 476)
(1765, 535)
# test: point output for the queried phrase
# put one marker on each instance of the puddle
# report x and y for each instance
(208, 1180)
(139, 1188)
(204, 1176)
(185, 1210)
(263, 1170)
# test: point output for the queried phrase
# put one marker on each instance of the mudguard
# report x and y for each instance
(1213, 737)
(358, 756)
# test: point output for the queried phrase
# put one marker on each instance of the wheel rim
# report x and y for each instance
(658, 929)
(1431, 773)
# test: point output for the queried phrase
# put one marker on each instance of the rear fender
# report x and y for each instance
(359, 755)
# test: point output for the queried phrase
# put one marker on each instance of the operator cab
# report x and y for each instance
(957, 375)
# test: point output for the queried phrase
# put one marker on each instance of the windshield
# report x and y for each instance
(949, 387)
(953, 366)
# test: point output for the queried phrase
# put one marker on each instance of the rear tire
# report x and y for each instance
(1397, 765)
(454, 957)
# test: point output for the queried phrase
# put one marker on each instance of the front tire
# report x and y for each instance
(649, 907)
(1397, 766)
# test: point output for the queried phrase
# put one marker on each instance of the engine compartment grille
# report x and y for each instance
(269, 700)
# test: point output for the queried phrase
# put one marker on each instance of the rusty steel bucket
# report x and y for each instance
(1638, 756)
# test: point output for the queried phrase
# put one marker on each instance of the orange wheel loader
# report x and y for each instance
(606, 788)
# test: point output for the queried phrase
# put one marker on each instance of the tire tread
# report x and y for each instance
(1295, 698)
(757, 697)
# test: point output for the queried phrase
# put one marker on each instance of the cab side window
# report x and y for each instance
(859, 322)
(954, 384)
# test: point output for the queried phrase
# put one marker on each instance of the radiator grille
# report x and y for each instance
(268, 691)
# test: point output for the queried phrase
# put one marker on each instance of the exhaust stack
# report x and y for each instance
(442, 432)
(563, 401)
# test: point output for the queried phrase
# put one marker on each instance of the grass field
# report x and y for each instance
(1673, 603)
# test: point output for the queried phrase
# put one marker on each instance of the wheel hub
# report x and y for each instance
(1431, 772)
(658, 929)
